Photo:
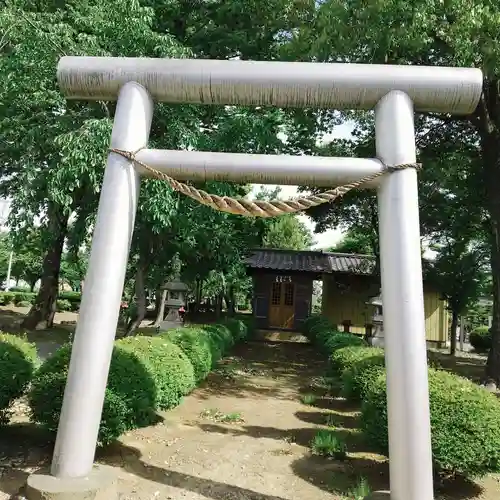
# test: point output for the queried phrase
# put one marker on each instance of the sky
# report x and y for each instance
(332, 236)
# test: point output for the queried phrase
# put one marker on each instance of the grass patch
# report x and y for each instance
(224, 418)
(360, 491)
(327, 444)
(309, 399)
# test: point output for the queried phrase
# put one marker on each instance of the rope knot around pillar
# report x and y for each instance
(259, 208)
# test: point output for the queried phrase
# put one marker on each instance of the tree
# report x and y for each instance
(51, 161)
(459, 272)
(356, 241)
(431, 33)
(290, 233)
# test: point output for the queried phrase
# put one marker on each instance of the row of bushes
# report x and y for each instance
(465, 418)
(146, 374)
(26, 299)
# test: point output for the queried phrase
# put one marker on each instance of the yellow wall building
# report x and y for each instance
(283, 288)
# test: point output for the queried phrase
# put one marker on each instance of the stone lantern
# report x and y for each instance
(176, 297)
(377, 337)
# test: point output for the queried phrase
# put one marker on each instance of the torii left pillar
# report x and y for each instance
(73, 475)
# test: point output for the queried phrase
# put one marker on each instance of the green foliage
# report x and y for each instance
(288, 232)
(356, 241)
(314, 323)
(333, 340)
(238, 328)
(129, 402)
(25, 297)
(465, 421)
(220, 340)
(18, 361)
(195, 344)
(6, 298)
(365, 364)
(328, 444)
(146, 374)
(167, 365)
(309, 399)
(480, 338)
(63, 305)
(360, 491)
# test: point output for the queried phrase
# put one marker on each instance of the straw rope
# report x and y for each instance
(258, 208)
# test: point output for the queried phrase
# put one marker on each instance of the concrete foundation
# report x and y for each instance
(100, 484)
(379, 495)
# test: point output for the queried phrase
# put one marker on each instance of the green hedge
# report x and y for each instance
(195, 343)
(465, 421)
(18, 361)
(146, 374)
(67, 301)
(465, 418)
(355, 365)
(480, 338)
(129, 402)
(167, 365)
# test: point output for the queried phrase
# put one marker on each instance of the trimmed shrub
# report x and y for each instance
(167, 365)
(130, 399)
(63, 305)
(238, 329)
(24, 297)
(365, 363)
(195, 344)
(74, 298)
(480, 338)
(465, 421)
(6, 298)
(18, 361)
(315, 324)
(220, 339)
(336, 340)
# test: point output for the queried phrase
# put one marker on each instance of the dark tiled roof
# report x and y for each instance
(309, 261)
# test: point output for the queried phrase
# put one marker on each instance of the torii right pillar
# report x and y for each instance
(410, 456)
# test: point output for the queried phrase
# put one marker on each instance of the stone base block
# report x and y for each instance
(100, 484)
(379, 495)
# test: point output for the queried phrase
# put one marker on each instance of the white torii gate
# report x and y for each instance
(394, 91)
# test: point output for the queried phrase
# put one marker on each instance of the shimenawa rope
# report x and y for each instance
(258, 208)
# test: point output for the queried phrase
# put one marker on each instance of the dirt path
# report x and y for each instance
(243, 435)
(236, 438)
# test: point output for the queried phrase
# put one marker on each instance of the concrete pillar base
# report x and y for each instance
(379, 495)
(100, 484)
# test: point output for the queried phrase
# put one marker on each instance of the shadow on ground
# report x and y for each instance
(255, 374)
(24, 448)
(130, 460)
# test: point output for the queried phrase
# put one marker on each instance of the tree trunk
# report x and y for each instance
(230, 302)
(218, 305)
(41, 315)
(160, 311)
(489, 121)
(140, 300)
(454, 326)
(32, 285)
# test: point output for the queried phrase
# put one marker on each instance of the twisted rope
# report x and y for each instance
(258, 208)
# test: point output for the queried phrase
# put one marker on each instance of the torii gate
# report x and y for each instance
(394, 91)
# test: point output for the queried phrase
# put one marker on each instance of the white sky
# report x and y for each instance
(332, 236)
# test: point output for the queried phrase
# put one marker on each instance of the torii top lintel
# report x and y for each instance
(283, 84)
